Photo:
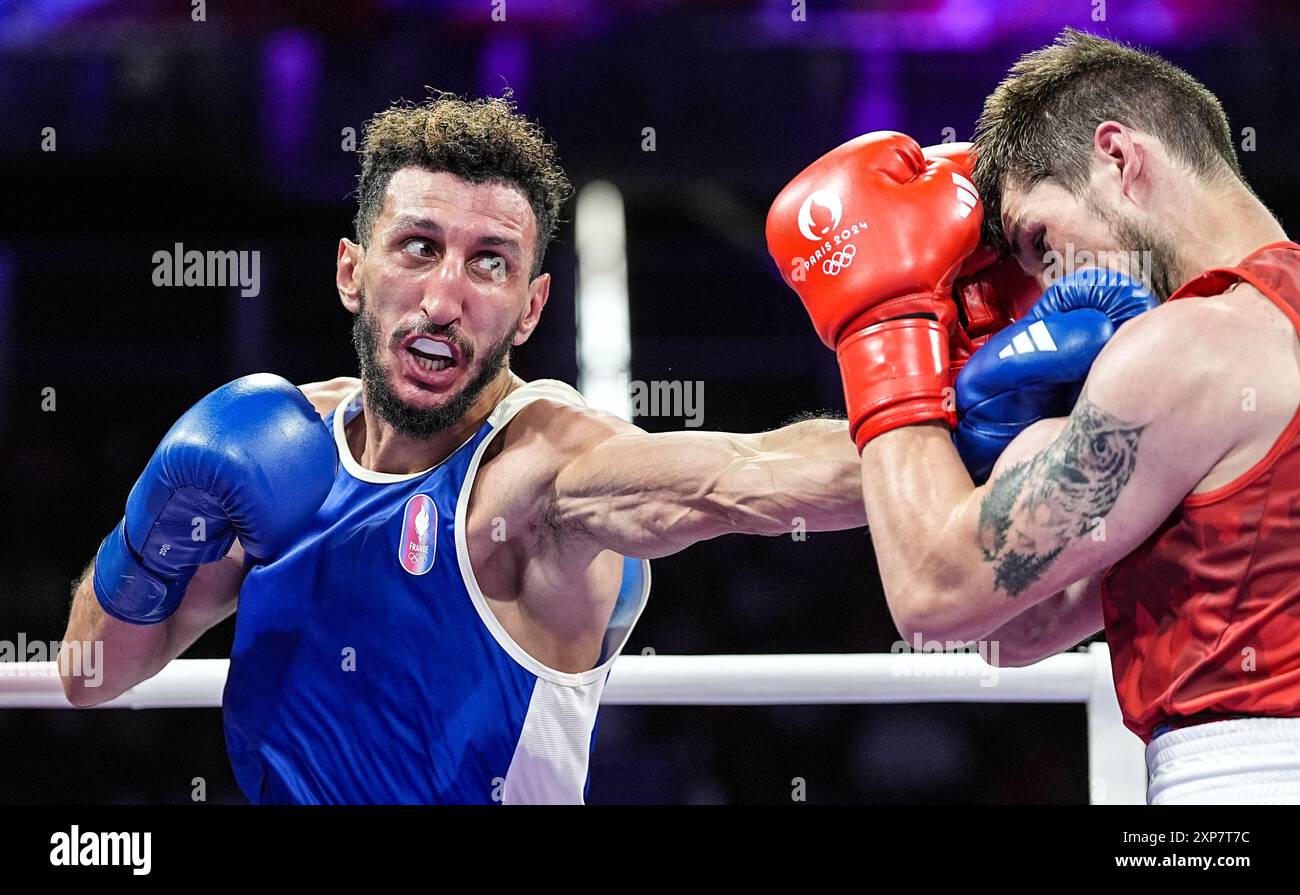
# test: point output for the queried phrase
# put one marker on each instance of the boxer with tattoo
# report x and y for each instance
(1153, 492)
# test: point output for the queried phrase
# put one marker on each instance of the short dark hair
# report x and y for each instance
(1040, 121)
(480, 141)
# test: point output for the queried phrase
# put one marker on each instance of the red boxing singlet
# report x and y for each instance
(1204, 618)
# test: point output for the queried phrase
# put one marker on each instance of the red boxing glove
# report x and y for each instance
(991, 292)
(872, 236)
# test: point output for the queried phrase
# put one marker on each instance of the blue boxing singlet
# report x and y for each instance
(368, 667)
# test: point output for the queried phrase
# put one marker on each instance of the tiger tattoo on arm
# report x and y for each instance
(1038, 506)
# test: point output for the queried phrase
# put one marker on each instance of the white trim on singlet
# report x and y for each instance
(348, 408)
(551, 759)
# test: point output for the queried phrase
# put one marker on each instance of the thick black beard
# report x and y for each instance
(416, 422)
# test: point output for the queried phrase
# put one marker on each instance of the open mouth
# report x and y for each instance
(432, 355)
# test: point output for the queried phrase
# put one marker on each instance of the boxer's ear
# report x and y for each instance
(539, 290)
(347, 274)
(1122, 155)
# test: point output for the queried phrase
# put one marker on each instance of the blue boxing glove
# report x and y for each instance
(1035, 368)
(252, 459)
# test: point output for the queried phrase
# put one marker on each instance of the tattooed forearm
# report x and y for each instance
(1035, 508)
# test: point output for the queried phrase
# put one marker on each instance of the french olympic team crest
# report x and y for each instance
(419, 535)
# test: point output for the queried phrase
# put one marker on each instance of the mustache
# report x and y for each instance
(450, 332)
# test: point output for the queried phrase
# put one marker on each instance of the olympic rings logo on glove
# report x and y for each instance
(840, 260)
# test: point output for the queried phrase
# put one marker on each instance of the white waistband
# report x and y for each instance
(1237, 762)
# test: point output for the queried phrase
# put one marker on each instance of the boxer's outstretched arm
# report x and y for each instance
(958, 562)
(649, 495)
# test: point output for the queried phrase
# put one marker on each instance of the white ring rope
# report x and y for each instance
(1117, 769)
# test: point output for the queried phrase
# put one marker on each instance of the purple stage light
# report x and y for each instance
(291, 73)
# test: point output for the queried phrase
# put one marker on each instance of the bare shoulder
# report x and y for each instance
(327, 395)
(525, 463)
(1220, 374)
(1163, 359)
(554, 432)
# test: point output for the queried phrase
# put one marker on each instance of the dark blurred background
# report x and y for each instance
(230, 133)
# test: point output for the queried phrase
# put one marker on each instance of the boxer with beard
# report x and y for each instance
(436, 565)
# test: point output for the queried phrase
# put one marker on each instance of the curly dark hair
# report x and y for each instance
(480, 141)
(1040, 121)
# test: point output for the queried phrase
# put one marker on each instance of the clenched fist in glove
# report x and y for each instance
(872, 236)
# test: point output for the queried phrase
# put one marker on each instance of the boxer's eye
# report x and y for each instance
(1041, 246)
(420, 248)
(493, 266)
